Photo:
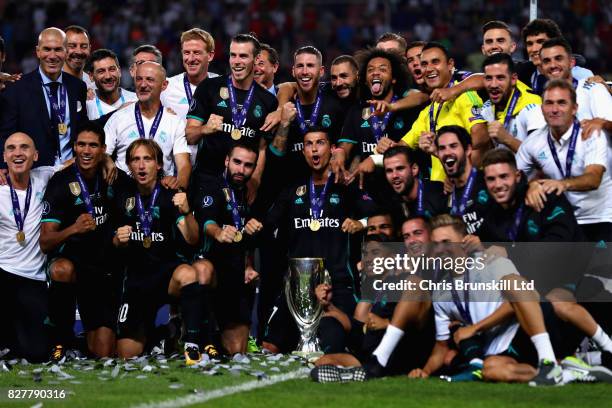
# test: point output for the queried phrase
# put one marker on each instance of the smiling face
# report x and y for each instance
(150, 82)
(195, 57)
(343, 79)
(452, 155)
(380, 224)
(88, 151)
(556, 63)
(317, 150)
(447, 235)
(242, 60)
(502, 180)
(307, 71)
(558, 108)
(413, 56)
(437, 69)
(51, 53)
(379, 77)
(240, 165)
(415, 236)
(19, 153)
(106, 75)
(533, 44)
(400, 173)
(497, 40)
(264, 69)
(499, 83)
(78, 48)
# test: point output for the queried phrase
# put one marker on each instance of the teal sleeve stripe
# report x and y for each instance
(179, 219)
(50, 220)
(206, 224)
(347, 141)
(275, 151)
(195, 117)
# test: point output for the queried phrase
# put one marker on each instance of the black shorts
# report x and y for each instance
(97, 296)
(281, 329)
(24, 304)
(141, 298)
(522, 349)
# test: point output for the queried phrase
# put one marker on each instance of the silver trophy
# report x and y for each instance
(302, 278)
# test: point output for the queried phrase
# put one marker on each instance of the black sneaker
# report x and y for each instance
(373, 368)
(331, 373)
(58, 354)
(172, 340)
(549, 373)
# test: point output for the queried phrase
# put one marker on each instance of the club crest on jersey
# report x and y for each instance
(224, 92)
(301, 190)
(326, 121)
(532, 227)
(226, 193)
(75, 188)
(257, 112)
(130, 203)
(366, 113)
(207, 201)
(483, 197)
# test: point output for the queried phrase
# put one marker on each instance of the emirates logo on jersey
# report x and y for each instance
(300, 223)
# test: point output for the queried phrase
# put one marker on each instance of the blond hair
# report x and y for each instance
(201, 35)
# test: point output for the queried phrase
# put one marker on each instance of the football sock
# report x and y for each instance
(544, 348)
(62, 304)
(205, 325)
(602, 340)
(191, 309)
(392, 336)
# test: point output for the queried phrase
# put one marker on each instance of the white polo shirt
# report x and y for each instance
(594, 101)
(24, 258)
(498, 338)
(97, 107)
(528, 119)
(121, 130)
(590, 207)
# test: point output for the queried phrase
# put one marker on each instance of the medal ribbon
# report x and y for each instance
(570, 151)
(146, 216)
(239, 115)
(187, 88)
(464, 311)
(460, 209)
(317, 202)
(434, 121)
(379, 126)
(140, 124)
(17, 214)
(514, 228)
(58, 108)
(84, 191)
(314, 116)
(236, 218)
(516, 94)
(420, 189)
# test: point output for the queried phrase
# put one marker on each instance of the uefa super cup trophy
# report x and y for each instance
(302, 278)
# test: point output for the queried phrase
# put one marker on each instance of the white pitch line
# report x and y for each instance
(225, 391)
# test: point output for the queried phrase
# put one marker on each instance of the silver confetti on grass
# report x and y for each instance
(115, 372)
(275, 369)
(147, 368)
(141, 377)
(175, 386)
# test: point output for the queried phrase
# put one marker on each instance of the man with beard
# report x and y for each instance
(229, 243)
(377, 330)
(556, 62)
(343, 75)
(22, 265)
(317, 216)
(104, 70)
(149, 119)
(469, 198)
(413, 195)
(228, 109)
(76, 234)
(266, 65)
(569, 163)
(510, 220)
(513, 110)
(78, 49)
(147, 218)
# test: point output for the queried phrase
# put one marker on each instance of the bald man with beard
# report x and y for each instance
(47, 104)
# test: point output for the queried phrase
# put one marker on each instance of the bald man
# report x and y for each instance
(47, 104)
(23, 287)
(148, 119)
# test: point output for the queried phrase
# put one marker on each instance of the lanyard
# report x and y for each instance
(239, 115)
(187, 88)
(516, 94)
(317, 202)
(17, 214)
(99, 105)
(314, 116)
(146, 215)
(85, 191)
(231, 200)
(154, 126)
(514, 228)
(460, 209)
(379, 126)
(433, 121)
(464, 311)
(570, 151)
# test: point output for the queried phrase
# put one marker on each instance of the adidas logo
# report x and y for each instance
(78, 201)
(222, 104)
(542, 156)
(184, 101)
(365, 124)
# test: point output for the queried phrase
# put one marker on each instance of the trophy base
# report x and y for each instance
(310, 356)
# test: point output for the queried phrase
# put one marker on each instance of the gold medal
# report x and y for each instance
(315, 225)
(236, 134)
(20, 236)
(238, 236)
(62, 128)
(146, 242)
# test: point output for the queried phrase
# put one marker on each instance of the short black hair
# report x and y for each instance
(424, 219)
(434, 44)
(92, 127)
(541, 25)
(348, 59)
(400, 149)
(399, 71)
(497, 156)
(317, 129)
(496, 24)
(248, 38)
(558, 42)
(150, 49)
(309, 49)
(414, 44)
(76, 29)
(500, 58)
(560, 84)
(273, 57)
(98, 55)
(245, 146)
(462, 135)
